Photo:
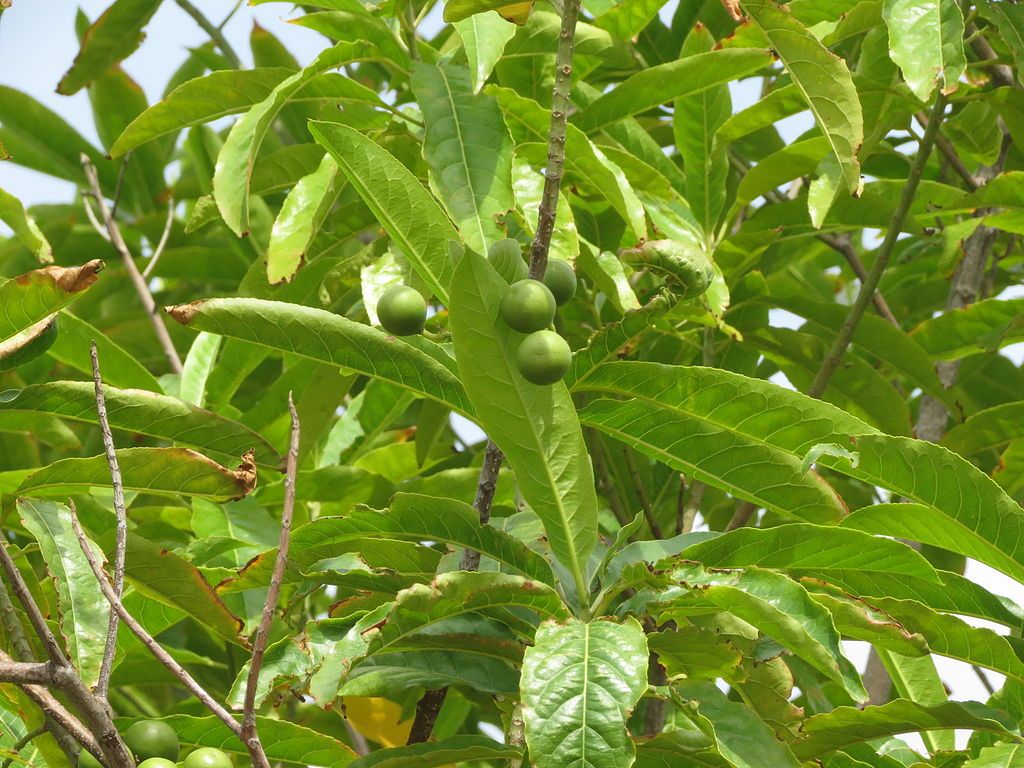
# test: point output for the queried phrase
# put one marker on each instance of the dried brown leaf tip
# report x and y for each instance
(733, 7)
(245, 475)
(67, 279)
(183, 313)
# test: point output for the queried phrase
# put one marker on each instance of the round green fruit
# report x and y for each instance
(157, 762)
(152, 738)
(506, 256)
(207, 757)
(86, 760)
(543, 358)
(402, 311)
(560, 278)
(527, 306)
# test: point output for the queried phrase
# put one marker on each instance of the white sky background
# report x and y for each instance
(38, 43)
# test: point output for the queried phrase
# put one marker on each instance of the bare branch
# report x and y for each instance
(144, 637)
(91, 215)
(560, 103)
(159, 250)
(28, 672)
(121, 515)
(155, 318)
(842, 245)
(485, 486)
(23, 652)
(119, 186)
(56, 713)
(259, 645)
(867, 289)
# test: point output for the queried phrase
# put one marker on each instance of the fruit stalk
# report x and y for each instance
(560, 105)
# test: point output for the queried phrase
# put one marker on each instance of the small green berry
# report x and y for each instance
(543, 358)
(527, 306)
(402, 311)
(152, 738)
(560, 278)
(207, 757)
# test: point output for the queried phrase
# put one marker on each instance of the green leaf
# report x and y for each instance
(854, 618)
(957, 506)
(916, 678)
(233, 174)
(84, 612)
(684, 77)
(120, 369)
(847, 726)
(773, 603)
(406, 210)
(458, 10)
(695, 653)
(284, 742)
(25, 229)
(468, 149)
(823, 79)
(484, 37)
(32, 297)
(1009, 20)
(302, 214)
(200, 361)
(412, 518)
(984, 326)
(999, 756)
(802, 547)
(458, 749)
(742, 737)
(415, 365)
(987, 430)
(536, 427)
(743, 435)
(143, 412)
(926, 41)
(23, 121)
(167, 471)
(111, 38)
(581, 681)
(695, 119)
(200, 100)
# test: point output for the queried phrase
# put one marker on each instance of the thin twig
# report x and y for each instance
(29, 673)
(133, 271)
(119, 186)
(212, 30)
(641, 493)
(259, 644)
(23, 742)
(867, 289)
(90, 214)
(144, 637)
(121, 517)
(28, 603)
(949, 152)
(159, 250)
(842, 245)
(427, 710)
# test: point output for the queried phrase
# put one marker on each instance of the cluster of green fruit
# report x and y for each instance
(528, 306)
(155, 745)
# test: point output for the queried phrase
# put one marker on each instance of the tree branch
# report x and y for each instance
(129, 264)
(249, 735)
(28, 673)
(145, 638)
(884, 253)
(560, 105)
(121, 515)
(482, 502)
(212, 30)
(23, 652)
